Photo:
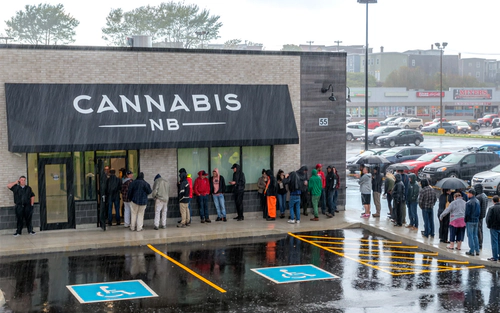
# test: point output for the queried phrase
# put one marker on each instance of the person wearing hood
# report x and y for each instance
(113, 190)
(271, 191)
(183, 196)
(304, 195)
(238, 184)
(295, 185)
(202, 190)
(412, 202)
(426, 200)
(261, 185)
(332, 187)
(365, 187)
(322, 199)
(483, 202)
(399, 197)
(377, 190)
(444, 201)
(472, 213)
(126, 181)
(455, 213)
(190, 182)
(315, 187)
(388, 185)
(138, 192)
(160, 194)
(217, 188)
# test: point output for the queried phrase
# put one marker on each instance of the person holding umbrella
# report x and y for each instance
(456, 212)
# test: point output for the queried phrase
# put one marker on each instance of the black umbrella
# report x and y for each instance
(399, 167)
(452, 183)
(373, 159)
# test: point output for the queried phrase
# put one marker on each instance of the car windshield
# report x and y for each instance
(453, 158)
(367, 152)
(487, 116)
(391, 152)
(379, 130)
(496, 169)
(426, 157)
(434, 124)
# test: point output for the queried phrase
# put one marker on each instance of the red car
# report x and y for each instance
(372, 124)
(486, 120)
(436, 120)
(416, 166)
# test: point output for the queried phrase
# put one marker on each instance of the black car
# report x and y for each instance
(380, 131)
(401, 137)
(473, 125)
(463, 165)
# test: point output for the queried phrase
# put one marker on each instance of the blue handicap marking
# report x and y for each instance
(111, 291)
(294, 273)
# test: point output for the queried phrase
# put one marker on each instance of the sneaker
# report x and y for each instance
(164, 226)
(270, 219)
(469, 253)
(329, 215)
(297, 222)
(315, 219)
(365, 215)
(224, 219)
(492, 259)
(291, 221)
(218, 219)
(282, 215)
(126, 225)
(180, 225)
(376, 215)
(208, 220)
(33, 233)
(16, 234)
(155, 228)
(203, 221)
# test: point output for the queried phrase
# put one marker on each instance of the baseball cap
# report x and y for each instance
(234, 166)
(471, 191)
(129, 172)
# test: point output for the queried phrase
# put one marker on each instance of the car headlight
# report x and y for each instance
(441, 169)
(489, 180)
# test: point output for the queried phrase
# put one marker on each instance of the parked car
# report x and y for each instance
(490, 180)
(399, 114)
(401, 137)
(372, 123)
(486, 120)
(490, 147)
(473, 125)
(354, 130)
(462, 127)
(397, 121)
(387, 120)
(416, 166)
(463, 165)
(351, 162)
(380, 131)
(412, 123)
(495, 123)
(400, 154)
(495, 132)
(433, 128)
(436, 120)
(348, 118)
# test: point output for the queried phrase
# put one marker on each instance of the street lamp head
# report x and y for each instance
(438, 45)
(445, 44)
(332, 97)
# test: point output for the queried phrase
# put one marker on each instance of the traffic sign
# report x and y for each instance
(111, 291)
(294, 273)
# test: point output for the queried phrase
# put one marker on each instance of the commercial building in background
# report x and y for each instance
(66, 112)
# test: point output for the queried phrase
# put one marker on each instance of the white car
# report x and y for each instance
(354, 130)
(412, 123)
(489, 179)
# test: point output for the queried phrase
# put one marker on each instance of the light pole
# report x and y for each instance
(366, 72)
(202, 35)
(310, 42)
(338, 42)
(441, 48)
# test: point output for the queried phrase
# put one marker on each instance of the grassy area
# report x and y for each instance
(478, 136)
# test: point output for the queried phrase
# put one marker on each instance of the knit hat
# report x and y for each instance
(318, 165)
(157, 176)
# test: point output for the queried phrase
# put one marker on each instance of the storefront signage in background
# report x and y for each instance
(86, 117)
(429, 94)
(472, 94)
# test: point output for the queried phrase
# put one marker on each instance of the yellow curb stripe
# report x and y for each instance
(350, 239)
(203, 279)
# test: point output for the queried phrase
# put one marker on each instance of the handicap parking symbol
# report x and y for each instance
(111, 291)
(294, 273)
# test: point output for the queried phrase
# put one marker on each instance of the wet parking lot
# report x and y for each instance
(372, 274)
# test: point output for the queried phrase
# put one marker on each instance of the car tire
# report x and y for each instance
(417, 142)
(498, 190)
(453, 174)
(452, 131)
(476, 128)
(434, 130)
(487, 124)
(419, 172)
(392, 143)
(349, 137)
(406, 127)
(420, 127)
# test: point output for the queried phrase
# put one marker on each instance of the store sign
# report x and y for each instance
(429, 94)
(79, 117)
(472, 94)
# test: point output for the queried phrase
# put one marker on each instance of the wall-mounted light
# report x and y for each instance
(324, 90)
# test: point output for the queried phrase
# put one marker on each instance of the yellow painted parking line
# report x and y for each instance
(384, 251)
(351, 239)
(362, 244)
(453, 261)
(203, 279)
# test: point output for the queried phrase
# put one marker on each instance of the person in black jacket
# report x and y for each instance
(332, 187)
(377, 189)
(271, 191)
(483, 202)
(183, 196)
(445, 199)
(399, 198)
(281, 192)
(238, 183)
(113, 190)
(24, 198)
(493, 223)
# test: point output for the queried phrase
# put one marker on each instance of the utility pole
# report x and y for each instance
(310, 42)
(338, 42)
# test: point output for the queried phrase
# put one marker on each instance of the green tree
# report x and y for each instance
(358, 80)
(42, 24)
(409, 77)
(170, 22)
(290, 47)
(232, 43)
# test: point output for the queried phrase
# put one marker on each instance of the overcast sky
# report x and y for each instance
(469, 27)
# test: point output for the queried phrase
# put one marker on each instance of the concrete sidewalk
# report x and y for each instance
(253, 226)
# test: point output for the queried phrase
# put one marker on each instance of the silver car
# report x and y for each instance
(489, 179)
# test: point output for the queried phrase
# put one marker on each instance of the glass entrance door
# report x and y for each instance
(57, 209)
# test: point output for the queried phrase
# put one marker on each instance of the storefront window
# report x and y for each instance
(90, 176)
(223, 158)
(254, 160)
(193, 160)
(78, 176)
(33, 173)
(133, 162)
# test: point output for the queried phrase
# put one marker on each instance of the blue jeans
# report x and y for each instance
(472, 236)
(116, 201)
(495, 234)
(294, 206)
(412, 210)
(281, 203)
(332, 201)
(428, 216)
(203, 204)
(220, 205)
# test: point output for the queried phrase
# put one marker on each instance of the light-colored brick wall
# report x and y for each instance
(103, 66)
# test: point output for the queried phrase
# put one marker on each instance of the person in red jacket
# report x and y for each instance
(202, 190)
(322, 199)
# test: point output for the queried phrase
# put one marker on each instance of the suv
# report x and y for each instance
(354, 130)
(412, 123)
(348, 118)
(495, 123)
(461, 165)
(486, 120)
